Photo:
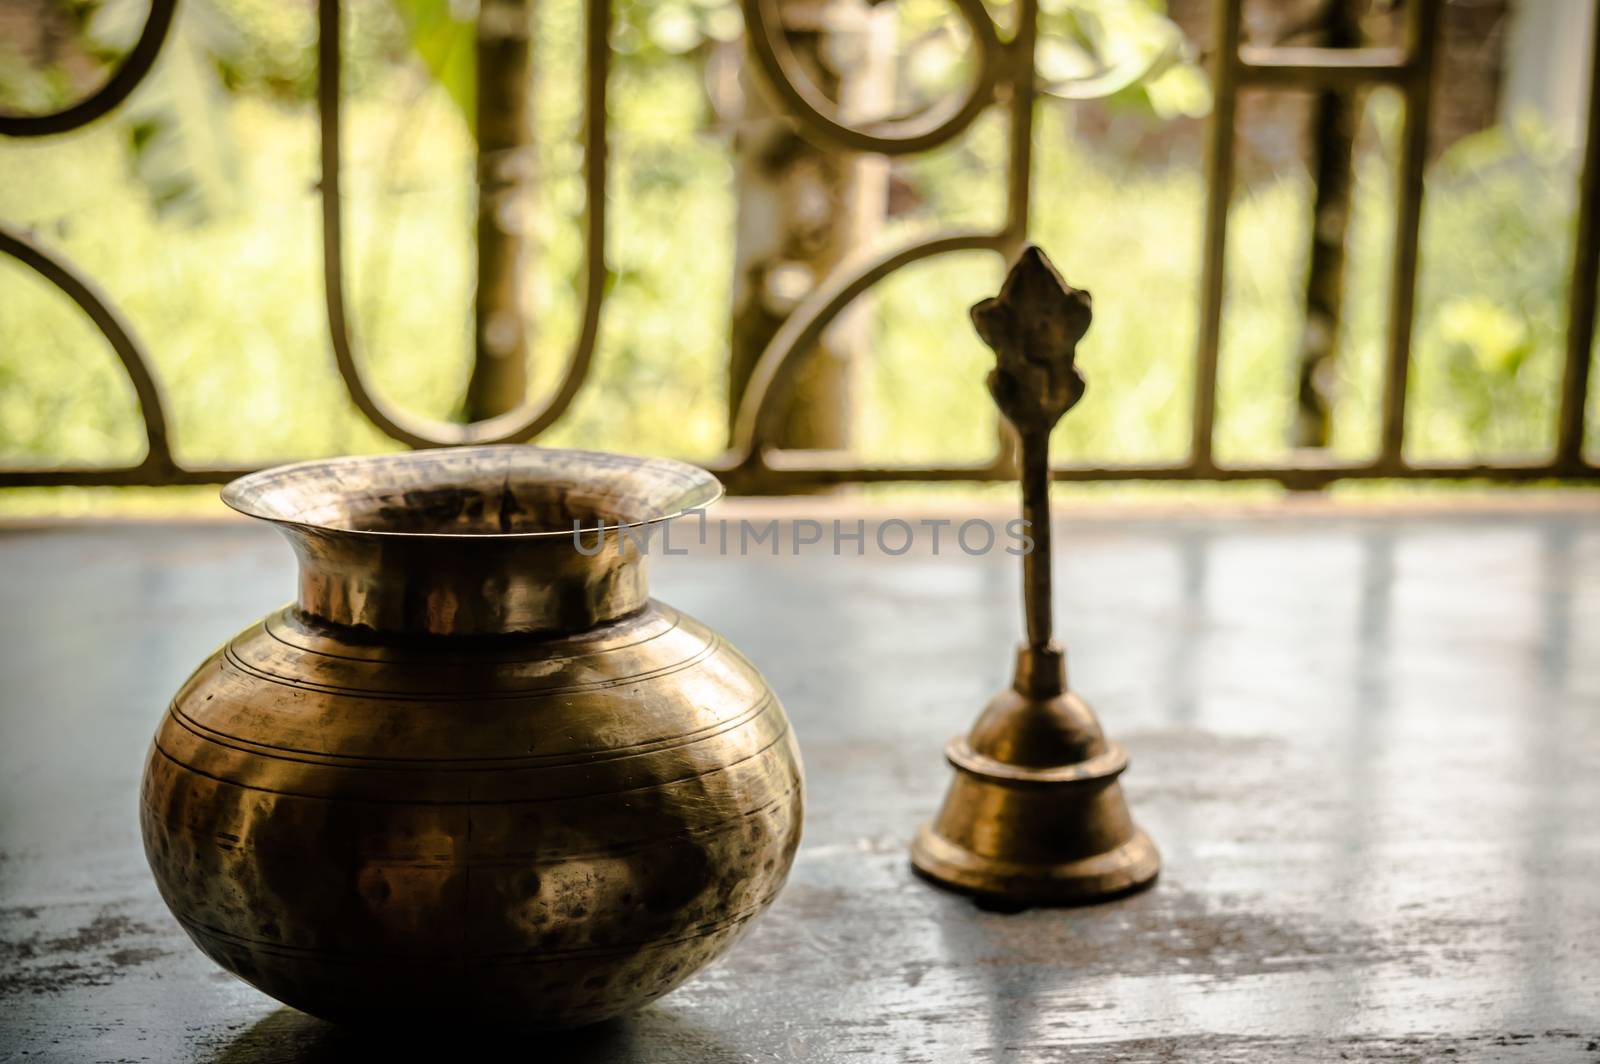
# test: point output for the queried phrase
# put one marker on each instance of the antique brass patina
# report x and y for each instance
(1035, 815)
(474, 772)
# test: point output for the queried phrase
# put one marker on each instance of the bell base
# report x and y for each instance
(1124, 870)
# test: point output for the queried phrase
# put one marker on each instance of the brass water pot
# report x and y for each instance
(474, 772)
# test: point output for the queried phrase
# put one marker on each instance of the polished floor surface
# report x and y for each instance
(1368, 747)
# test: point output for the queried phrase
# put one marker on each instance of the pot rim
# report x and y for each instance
(666, 487)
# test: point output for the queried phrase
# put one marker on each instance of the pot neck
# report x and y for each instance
(466, 585)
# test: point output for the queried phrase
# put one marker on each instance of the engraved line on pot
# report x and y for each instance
(522, 857)
(271, 625)
(523, 957)
(587, 642)
(467, 764)
(575, 796)
(712, 645)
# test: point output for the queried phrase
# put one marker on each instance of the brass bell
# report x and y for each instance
(1035, 815)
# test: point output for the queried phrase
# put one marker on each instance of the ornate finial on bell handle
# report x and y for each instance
(1035, 815)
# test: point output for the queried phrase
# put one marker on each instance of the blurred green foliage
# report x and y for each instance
(227, 297)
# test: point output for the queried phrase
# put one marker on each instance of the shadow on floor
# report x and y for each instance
(287, 1035)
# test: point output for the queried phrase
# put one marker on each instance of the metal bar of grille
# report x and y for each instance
(1019, 167)
(157, 462)
(785, 474)
(1219, 191)
(533, 415)
(1585, 275)
(127, 76)
(1422, 17)
(812, 469)
(1321, 68)
(1006, 79)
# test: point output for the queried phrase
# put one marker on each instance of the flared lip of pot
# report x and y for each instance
(655, 489)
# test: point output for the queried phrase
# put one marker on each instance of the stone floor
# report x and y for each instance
(1367, 745)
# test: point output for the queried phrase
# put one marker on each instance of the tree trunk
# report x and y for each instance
(1334, 121)
(803, 209)
(505, 184)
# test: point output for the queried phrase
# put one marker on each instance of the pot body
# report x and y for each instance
(518, 828)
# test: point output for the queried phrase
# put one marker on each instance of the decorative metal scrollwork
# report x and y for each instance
(800, 101)
(134, 66)
(157, 464)
(1004, 76)
(1004, 72)
(758, 412)
(533, 416)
